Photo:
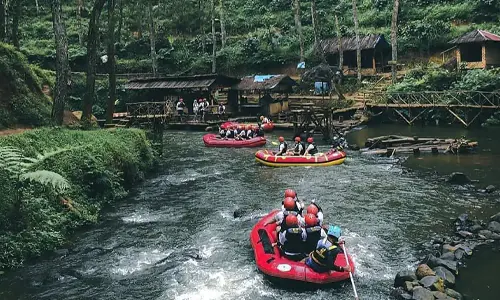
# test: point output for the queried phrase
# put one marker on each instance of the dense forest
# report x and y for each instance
(251, 36)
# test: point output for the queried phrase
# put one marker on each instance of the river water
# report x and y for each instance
(175, 237)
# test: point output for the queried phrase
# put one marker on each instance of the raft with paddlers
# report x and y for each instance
(272, 262)
(267, 127)
(212, 140)
(330, 158)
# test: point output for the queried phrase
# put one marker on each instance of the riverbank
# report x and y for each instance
(56, 180)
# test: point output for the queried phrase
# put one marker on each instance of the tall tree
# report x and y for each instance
(201, 19)
(120, 23)
(152, 38)
(314, 20)
(394, 40)
(214, 39)
(16, 6)
(62, 63)
(356, 30)
(222, 24)
(110, 108)
(92, 45)
(79, 21)
(298, 27)
(339, 39)
(3, 20)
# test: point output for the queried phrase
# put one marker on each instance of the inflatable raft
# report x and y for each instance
(266, 127)
(270, 261)
(330, 158)
(212, 140)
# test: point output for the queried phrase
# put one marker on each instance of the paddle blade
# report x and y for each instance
(274, 143)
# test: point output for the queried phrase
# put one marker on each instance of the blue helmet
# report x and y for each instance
(334, 231)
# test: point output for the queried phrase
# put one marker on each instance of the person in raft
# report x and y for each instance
(240, 133)
(322, 259)
(283, 146)
(258, 131)
(250, 132)
(298, 205)
(222, 133)
(290, 208)
(298, 148)
(314, 233)
(316, 211)
(311, 148)
(230, 133)
(291, 240)
(264, 120)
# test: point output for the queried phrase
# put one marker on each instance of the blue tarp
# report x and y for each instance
(262, 78)
(301, 65)
(321, 87)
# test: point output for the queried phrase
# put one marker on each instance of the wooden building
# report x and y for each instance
(478, 49)
(171, 88)
(264, 94)
(375, 53)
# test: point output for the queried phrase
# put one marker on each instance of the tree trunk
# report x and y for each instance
(15, 22)
(394, 40)
(152, 38)
(110, 108)
(62, 63)
(3, 20)
(298, 28)
(37, 7)
(120, 23)
(92, 45)
(356, 30)
(341, 51)
(214, 40)
(314, 20)
(79, 22)
(222, 24)
(202, 26)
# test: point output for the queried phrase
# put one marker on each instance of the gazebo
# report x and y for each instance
(478, 49)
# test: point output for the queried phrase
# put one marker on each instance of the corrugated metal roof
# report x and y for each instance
(369, 41)
(264, 82)
(181, 82)
(476, 36)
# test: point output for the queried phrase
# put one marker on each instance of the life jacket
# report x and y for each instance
(242, 133)
(230, 133)
(294, 243)
(222, 133)
(296, 148)
(283, 222)
(314, 150)
(250, 134)
(303, 148)
(313, 237)
(320, 255)
(285, 148)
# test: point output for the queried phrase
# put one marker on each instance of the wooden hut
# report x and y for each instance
(264, 94)
(375, 53)
(478, 49)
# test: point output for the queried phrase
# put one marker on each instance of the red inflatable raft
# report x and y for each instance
(270, 261)
(212, 140)
(267, 127)
(330, 158)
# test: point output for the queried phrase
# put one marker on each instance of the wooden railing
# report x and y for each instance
(472, 99)
(149, 109)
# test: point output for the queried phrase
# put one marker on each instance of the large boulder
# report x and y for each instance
(449, 248)
(494, 226)
(446, 275)
(428, 281)
(420, 293)
(433, 262)
(490, 189)
(441, 296)
(424, 270)
(448, 256)
(486, 234)
(403, 276)
(458, 178)
(454, 294)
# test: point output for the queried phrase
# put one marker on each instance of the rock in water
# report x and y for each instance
(428, 281)
(424, 270)
(420, 293)
(433, 262)
(458, 178)
(448, 256)
(454, 294)
(440, 295)
(490, 189)
(476, 228)
(403, 276)
(446, 275)
(496, 217)
(238, 213)
(489, 235)
(408, 286)
(448, 248)
(494, 226)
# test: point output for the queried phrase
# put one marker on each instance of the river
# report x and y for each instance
(146, 247)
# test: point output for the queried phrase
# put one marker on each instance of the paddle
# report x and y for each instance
(350, 273)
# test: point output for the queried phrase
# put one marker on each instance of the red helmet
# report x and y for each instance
(310, 140)
(289, 203)
(281, 139)
(290, 193)
(312, 209)
(240, 127)
(249, 127)
(297, 139)
(311, 220)
(291, 220)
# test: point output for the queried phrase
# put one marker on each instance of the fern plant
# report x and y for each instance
(23, 169)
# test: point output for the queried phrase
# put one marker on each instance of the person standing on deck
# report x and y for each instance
(195, 109)
(180, 108)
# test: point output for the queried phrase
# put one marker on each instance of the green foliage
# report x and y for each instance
(21, 99)
(99, 166)
(479, 80)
